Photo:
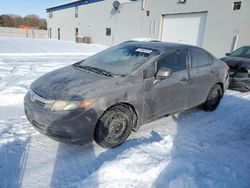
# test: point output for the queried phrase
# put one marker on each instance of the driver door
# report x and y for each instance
(168, 95)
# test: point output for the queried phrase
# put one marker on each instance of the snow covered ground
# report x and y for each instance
(189, 149)
(48, 47)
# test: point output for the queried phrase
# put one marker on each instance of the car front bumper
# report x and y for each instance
(67, 126)
(241, 84)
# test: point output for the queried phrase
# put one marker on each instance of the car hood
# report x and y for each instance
(68, 83)
(237, 62)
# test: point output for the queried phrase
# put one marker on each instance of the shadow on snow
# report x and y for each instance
(204, 154)
(211, 149)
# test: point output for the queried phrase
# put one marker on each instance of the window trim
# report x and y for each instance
(145, 69)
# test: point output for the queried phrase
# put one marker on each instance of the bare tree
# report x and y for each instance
(10, 20)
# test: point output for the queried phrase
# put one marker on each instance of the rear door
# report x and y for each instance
(203, 76)
(169, 95)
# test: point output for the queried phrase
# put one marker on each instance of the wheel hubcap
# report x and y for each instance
(214, 97)
(117, 126)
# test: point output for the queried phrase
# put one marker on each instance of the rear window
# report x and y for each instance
(200, 58)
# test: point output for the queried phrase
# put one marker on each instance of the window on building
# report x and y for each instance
(199, 58)
(108, 31)
(182, 1)
(176, 61)
(50, 14)
(76, 32)
(237, 5)
(147, 13)
(76, 11)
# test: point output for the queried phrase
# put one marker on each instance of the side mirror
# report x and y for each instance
(163, 73)
(227, 54)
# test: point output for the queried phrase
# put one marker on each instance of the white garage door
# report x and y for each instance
(184, 28)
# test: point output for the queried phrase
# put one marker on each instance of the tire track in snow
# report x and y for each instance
(14, 76)
(9, 131)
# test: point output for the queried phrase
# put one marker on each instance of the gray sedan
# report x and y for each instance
(106, 96)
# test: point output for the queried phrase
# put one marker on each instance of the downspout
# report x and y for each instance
(143, 4)
(143, 7)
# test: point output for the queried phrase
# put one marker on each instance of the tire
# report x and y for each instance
(114, 127)
(213, 99)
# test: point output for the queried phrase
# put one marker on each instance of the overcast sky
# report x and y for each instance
(25, 7)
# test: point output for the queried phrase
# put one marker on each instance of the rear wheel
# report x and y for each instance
(214, 97)
(114, 127)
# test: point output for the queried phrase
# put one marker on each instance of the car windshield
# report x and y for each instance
(241, 52)
(120, 60)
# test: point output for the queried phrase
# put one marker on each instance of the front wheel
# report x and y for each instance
(114, 127)
(214, 97)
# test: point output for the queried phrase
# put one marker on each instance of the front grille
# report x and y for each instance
(62, 135)
(238, 73)
(38, 126)
(40, 103)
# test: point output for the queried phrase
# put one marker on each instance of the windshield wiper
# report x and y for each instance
(97, 70)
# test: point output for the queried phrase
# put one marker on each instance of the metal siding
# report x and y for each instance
(222, 22)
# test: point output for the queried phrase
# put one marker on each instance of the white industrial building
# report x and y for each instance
(216, 25)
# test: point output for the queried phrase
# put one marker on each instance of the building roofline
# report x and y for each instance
(62, 4)
(71, 4)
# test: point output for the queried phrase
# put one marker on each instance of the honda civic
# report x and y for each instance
(114, 92)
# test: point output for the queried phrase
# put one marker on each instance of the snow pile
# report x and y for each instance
(145, 39)
(186, 150)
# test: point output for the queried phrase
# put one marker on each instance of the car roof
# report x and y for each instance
(158, 45)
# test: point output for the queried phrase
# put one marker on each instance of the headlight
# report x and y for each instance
(72, 105)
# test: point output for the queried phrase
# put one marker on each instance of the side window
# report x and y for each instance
(210, 59)
(176, 61)
(149, 72)
(199, 58)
